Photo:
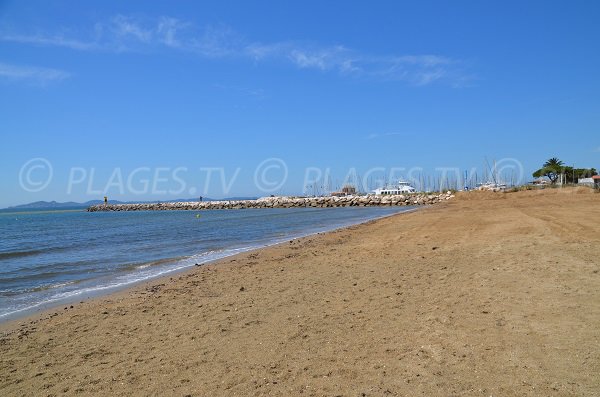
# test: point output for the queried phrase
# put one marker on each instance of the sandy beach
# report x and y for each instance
(491, 294)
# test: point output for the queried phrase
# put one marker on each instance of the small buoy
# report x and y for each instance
(197, 215)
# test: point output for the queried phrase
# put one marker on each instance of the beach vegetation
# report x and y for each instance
(553, 168)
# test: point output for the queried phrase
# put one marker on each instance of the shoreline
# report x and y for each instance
(10, 322)
(491, 294)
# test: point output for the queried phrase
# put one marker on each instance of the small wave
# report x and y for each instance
(148, 264)
(52, 286)
(20, 254)
(39, 288)
(63, 284)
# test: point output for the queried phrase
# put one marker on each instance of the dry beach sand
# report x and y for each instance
(491, 294)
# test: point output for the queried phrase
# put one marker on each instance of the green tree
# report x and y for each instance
(572, 175)
(551, 169)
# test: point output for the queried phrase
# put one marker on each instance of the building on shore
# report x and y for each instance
(540, 181)
(347, 190)
(593, 181)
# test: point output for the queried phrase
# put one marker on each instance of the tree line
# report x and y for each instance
(554, 168)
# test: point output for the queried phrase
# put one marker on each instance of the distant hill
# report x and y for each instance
(55, 205)
(74, 205)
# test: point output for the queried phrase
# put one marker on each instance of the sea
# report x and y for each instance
(50, 258)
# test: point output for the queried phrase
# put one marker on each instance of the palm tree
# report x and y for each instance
(553, 163)
(551, 169)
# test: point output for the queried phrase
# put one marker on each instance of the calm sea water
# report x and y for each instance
(47, 258)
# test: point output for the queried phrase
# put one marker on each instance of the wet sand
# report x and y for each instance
(492, 294)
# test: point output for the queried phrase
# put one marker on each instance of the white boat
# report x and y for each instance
(491, 186)
(402, 187)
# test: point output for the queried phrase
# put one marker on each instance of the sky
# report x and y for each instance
(155, 100)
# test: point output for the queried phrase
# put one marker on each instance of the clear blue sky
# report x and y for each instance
(106, 85)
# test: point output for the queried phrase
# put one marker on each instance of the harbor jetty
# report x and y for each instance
(284, 202)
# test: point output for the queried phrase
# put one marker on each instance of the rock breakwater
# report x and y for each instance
(283, 202)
